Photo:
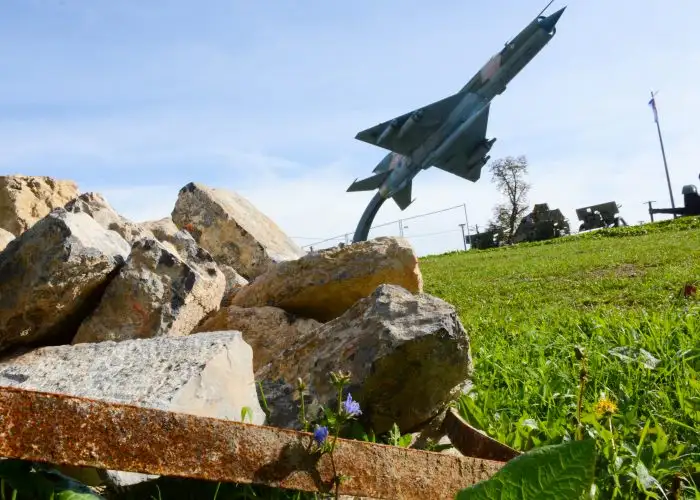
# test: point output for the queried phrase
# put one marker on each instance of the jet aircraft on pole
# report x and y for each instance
(449, 134)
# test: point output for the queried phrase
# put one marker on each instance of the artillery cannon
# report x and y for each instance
(598, 216)
(541, 224)
(691, 204)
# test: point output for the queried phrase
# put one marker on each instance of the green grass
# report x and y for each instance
(617, 295)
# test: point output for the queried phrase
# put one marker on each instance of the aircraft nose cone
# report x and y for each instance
(549, 22)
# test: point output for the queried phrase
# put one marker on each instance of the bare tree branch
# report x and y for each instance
(509, 176)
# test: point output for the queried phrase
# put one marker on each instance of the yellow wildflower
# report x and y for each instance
(605, 406)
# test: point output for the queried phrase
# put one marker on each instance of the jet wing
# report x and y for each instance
(433, 116)
(458, 159)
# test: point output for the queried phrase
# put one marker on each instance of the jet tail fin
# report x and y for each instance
(369, 183)
(403, 197)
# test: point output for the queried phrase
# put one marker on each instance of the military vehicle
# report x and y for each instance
(598, 216)
(691, 203)
(482, 241)
(541, 224)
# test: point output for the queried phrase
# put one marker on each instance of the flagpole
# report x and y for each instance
(652, 102)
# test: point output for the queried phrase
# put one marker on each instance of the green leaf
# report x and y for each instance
(561, 472)
(691, 407)
(471, 412)
(396, 439)
(692, 357)
(246, 411)
(405, 440)
(394, 435)
(660, 444)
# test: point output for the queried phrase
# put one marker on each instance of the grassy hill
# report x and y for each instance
(603, 310)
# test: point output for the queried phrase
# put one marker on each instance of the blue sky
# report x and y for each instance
(135, 99)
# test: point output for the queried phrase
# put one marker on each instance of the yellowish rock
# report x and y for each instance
(230, 228)
(408, 356)
(234, 283)
(97, 207)
(323, 285)
(24, 199)
(158, 292)
(163, 229)
(53, 275)
(268, 330)
(5, 238)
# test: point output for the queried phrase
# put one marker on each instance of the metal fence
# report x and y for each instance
(432, 232)
(435, 232)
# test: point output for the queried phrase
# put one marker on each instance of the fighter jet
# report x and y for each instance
(450, 134)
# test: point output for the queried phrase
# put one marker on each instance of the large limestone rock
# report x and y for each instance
(323, 285)
(25, 199)
(53, 275)
(268, 330)
(165, 231)
(210, 374)
(160, 291)
(408, 354)
(234, 283)
(5, 238)
(232, 229)
(97, 207)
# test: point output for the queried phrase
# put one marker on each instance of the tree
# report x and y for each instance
(509, 176)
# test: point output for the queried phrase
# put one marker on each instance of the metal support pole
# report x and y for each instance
(651, 215)
(663, 152)
(464, 239)
(466, 220)
(401, 227)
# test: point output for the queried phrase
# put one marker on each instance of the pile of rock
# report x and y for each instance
(187, 313)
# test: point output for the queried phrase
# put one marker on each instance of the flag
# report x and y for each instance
(652, 103)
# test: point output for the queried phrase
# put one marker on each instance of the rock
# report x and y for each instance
(163, 229)
(5, 238)
(158, 292)
(234, 283)
(209, 374)
(232, 230)
(97, 207)
(431, 434)
(53, 275)
(124, 479)
(408, 354)
(323, 285)
(268, 330)
(24, 199)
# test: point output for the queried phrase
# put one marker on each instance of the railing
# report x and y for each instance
(67, 430)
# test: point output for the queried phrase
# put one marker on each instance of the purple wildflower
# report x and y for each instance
(351, 407)
(320, 434)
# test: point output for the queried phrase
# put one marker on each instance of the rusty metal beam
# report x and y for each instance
(66, 430)
(472, 442)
